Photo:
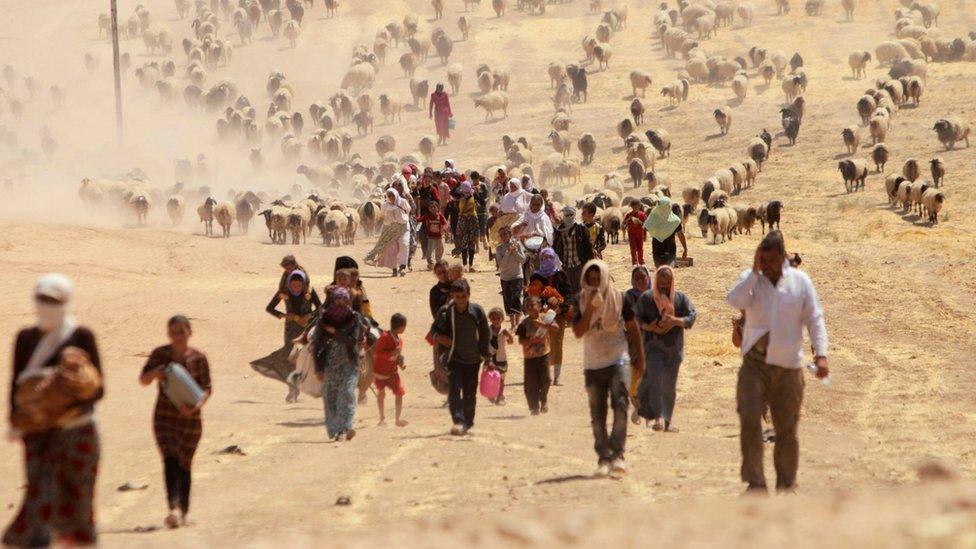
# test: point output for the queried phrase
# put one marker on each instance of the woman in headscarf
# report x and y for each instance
(301, 301)
(466, 238)
(338, 342)
(499, 185)
(663, 225)
(551, 276)
(360, 301)
(440, 111)
(640, 282)
(61, 460)
(663, 315)
(177, 428)
(511, 206)
(393, 246)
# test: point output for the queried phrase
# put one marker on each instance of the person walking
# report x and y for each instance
(466, 238)
(595, 230)
(533, 335)
(607, 329)
(392, 248)
(338, 341)
(462, 328)
(177, 428)
(634, 222)
(387, 363)
(440, 111)
(663, 314)
(779, 301)
(550, 283)
(301, 301)
(61, 455)
(510, 259)
(663, 225)
(572, 244)
(434, 225)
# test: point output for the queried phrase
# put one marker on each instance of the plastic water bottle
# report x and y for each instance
(812, 368)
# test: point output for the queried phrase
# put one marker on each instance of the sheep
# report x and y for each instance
(858, 61)
(438, 6)
(740, 85)
(660, 139)
(930, 13)
(485, 82)
(613, 220)
(892, 183)
(758, 151)
(560, 141)
(865, 107)
(298, 219)
(371, 219)
(915, 193)
(603, 32)
(938, 168)
(244, 208)
(951, 130)
(637, 171)
(637, 111)
(725, 180)
(791, 125)
(910, 170)
(888, 52)
(419, 90)
(703, 220)
(724, 119)
(639, 80)
(225, 215)
(769, 214)
(880, 154)
(385, 144)
(587, 147)
(557, 74)
(848, 9)
(904, 194)
(206, 213)
(332, 226)
(603, 52)
(932, 202)
(444, 47)
(767, 71)
(499, 7)
(176, 208)
(563, 99)
(792, 87)
(915, 89)
(854, 173)
(391, 108)
(722, 221)
(691, 197)
(676, 92)
(746, 217)
(879, 129)
(624, 128)
(500, 80)
(352, 226)
(292, 30)
(852, 138)
(568, 169)
(454, 77)
(491, 102)
(746, 12)
(427, 146)
(577, 75)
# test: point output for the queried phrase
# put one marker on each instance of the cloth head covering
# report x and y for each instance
(466, 189)
(608, 305)
(56, 286)
(662, 222)
(61, 288)
(338, 306)
(637, 269)
(300, 276)
(535, 222)
(527, 183)
(569, 217)
(549, 263)
(449, 164)
(405, 171)
(665, 303)
(344, 262)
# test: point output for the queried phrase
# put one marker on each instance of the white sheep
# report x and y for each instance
(225, 214)
(292, 31)
(454, 73)
(492, 102)
(722, 221)
(932, 202)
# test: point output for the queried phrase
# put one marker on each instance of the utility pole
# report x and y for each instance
(118, 78)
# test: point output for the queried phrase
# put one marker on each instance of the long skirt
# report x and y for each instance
(504, 220)
(467, 233)
(61, 469)
(391, 248)
(339, 390)
(658, 389)
(277, 365)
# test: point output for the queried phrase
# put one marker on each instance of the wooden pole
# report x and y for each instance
(118, 78)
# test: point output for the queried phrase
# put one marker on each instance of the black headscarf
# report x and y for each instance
(343, 262)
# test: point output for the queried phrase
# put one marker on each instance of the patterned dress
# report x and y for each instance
(177, 435)
(339, 390)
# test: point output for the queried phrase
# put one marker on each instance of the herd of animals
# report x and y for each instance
(318, 141)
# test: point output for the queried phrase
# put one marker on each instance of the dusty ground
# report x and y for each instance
(898, 295)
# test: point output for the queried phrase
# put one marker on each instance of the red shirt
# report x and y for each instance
(384, 354)
(635, 230)
(434, 226)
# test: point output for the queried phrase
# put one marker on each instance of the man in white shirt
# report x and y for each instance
(779, 301)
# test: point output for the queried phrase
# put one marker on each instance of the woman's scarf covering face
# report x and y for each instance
(549, 263)
(338, 306)
(664, 302)
(466, 189)
(608, 305)
(662, 222)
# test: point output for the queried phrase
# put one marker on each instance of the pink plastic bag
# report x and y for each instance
(491, 384)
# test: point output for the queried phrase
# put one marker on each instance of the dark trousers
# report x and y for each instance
(177, 484)
(573, 275)
(424, 244)
(537, 382)
(759, 385)
(603, 385)
(462, 396)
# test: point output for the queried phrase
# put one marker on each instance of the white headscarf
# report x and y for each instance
(397, 211)
(608, 305)
(55, 321)
(537, 222)
(516, 201)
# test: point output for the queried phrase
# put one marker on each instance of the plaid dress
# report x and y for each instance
(177, 435)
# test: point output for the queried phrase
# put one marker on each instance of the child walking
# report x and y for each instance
(387, 361)
(634, 221)
(500, 339)
(533, 333)
(435, 224)
(510, 259)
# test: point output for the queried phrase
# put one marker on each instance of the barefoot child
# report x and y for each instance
(388, 358)
(533, 333)
(500, 339)
(634, 221)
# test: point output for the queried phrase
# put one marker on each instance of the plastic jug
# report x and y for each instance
(490, 384)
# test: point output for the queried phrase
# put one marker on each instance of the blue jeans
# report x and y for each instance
(602, 386)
